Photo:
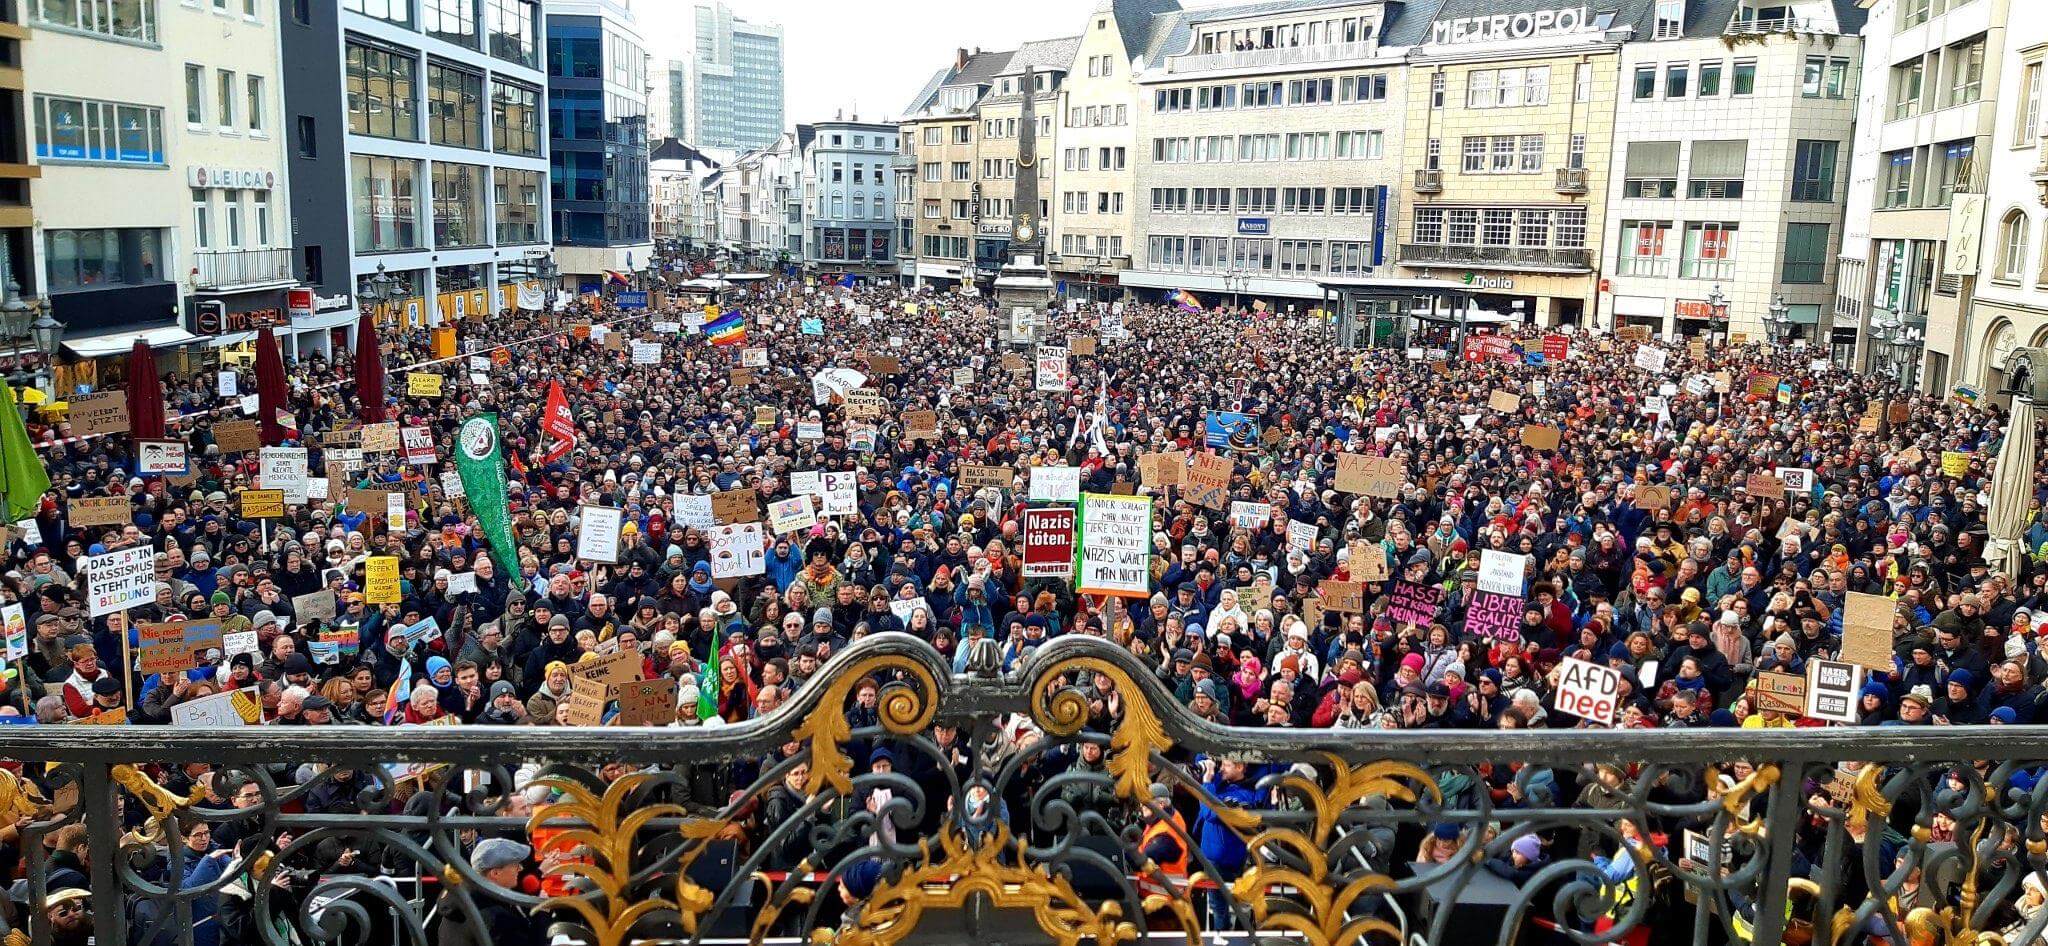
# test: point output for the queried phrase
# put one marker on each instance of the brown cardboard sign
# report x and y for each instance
(1161, 470)
(1764, 486)
(921, 425)
(884, 365)
(1780, 692)
(104, 412)
(1506, 402)
(734, 506)
(614, 669)
(1370, 476)
(1653, 498)
(1343, 597)
(100, 511)
(1541, 437)
(380, 438)
(1867, 630)
(1368, 562)
(1208, 481)
(975, 476)
(646, 702)
(585, 705)
(1081, 345)
(238, 436)
(1899, 412)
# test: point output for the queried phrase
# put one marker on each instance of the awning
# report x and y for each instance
(745, 277)
(100, 346)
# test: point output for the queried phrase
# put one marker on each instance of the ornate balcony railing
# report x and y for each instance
(1063, 789)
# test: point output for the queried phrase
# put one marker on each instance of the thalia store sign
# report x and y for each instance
(1506, 26)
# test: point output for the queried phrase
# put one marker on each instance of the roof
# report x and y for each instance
(1044, 55)
(1172, 31)
(805, 134)
(930, 88)
(1135, 20)
(671, 149)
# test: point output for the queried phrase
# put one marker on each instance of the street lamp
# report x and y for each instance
(550, 276)
(1780, 318)
(25, 321)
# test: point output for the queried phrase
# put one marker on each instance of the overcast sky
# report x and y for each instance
(851, 54)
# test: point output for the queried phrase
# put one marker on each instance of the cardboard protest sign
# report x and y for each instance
(380, 437)
(1541, 436)
(99, 511)
(1082, 345)
(1898, 412)
(1763, 386)
(1496, 616)
(314, 606)
(242, 707)
(734, 506)
(1208, 481)
(380, 580)
(884, 364)
(791, 515)
(1370, 476)
(1412, 603)
(646, 702)
(974, 476)
(1368, 562)
(1779, 692)
(585, 705)
(612, 670)
(1589, 691)
(1162, 470)
(1343, 597)
(1506, 402)
(423, 384)
(103, 412)
(921, 425)
(1764, 486)
(1832, 689)
(1653, 498)
(1867, 631)
(1301, 536)
(238, 436)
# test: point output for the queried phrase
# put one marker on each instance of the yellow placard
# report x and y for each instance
(422, 384)
(262, 503)
(1954, 464)
(380, 579)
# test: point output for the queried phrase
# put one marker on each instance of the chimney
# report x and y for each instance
(959, 58)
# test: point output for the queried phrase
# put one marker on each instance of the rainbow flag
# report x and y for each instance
(729, 328)
(1185, 299)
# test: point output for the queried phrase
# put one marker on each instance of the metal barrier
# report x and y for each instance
(790, 825)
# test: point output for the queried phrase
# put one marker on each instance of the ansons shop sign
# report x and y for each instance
(1503, 26)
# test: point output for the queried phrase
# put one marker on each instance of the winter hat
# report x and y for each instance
(1412, 662)
(1921, 695)
(1722, 719)
(503, 688)
(1961, 677)
(2005, 714)
(1876, 689)
(1529, 846)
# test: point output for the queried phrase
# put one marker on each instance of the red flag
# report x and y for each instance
(557, 424)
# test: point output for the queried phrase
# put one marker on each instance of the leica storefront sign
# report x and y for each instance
(203, 175)
(1049, 542)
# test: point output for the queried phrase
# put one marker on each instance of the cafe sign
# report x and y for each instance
(1507, 26)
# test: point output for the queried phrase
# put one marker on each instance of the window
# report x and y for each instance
(1957, 170)
(1532, 154)
(122, 19)
(1433, 154)
(1651, 169)
(1532, 228)
(195, 95)
(1646, 82)
(931, 172)
(1709, 251)
(1429, 225)
(1966, 72)
(386, 208)
(2012, 246)
(963, 171)
(452, 21)
(1837, 85)
(1464, 227)
(255, 107)
(231, 200)
(1479, 88)
(1576, 159)
(1670, 22)
(511, 23)
(1359, 144)
(1475, 155)
(2027, 118)
(931, 210)
(1503, 154)
(1914, 12)
(1813, 171)
(960, 210)
(1898, 179)
(1350, 200)
(309, 143)
(458, 205)
(933, 137)
(202, 218)
(380, 92)
(454, 106)
(963, 134)
(69, 129)
(390, 11)
(1907, 79)
(1436, 90)
(260, 203)
(1810, 78)
(1497, 228)
(1642, 248)
(1350, 258)
(1571, 228)
(1582, 82)
(1718, 168)
(1745, 77)
(95, 259)
(224, 100)
(515, 119)
(516, 195)
(1677, 80)
(1806, 253)
(1710, 79)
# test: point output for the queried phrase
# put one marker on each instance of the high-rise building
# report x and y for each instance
(668, 106)
(597, 140)
(735, 81)
(416, 138)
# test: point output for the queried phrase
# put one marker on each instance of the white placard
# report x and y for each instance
(1116, 542)
(417, 444)
(841, 493)
(31, 532)
(670, 328)
(647, 353)
(316, 487)
(1056, 484)
(736, 551)
(1052, 368)
(211, 712)
(806, 482)
(1798, 480)
(1246, 515)
(1501, 572)
(479, 363)
(597, 534)
(810, 430)
(462, 583)
(794, 514)
(693, 511)
(248, 404)
(121, 579)
(1650, 358)
(236, 643)
(161, 457)
(14, 618)
(451, 485)
(1589, 690)
(394, 511)
(1301, 536)
(903, 608)
(285, 468)
(1833, 689)
(225, 383)
(754, 358)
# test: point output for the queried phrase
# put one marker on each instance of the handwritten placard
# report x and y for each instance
(1412, 603)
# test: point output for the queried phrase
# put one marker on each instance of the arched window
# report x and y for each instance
(2012, 245)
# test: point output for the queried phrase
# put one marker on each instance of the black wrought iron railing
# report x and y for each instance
(1075, 790)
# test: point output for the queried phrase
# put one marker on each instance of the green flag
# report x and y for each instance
(22, 476)
(707, 688)
(480, 461)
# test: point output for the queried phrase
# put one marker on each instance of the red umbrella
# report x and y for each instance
(369, 371)
(145, 394)
(270, 389)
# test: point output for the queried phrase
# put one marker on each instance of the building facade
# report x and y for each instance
(667, 102)
(759, 204)
(676, 174)
(417, 139)
(849, 186)
(597, 141)
(17, 214)
(1038, 70)
(2010, 305)
(1094, 221)
(1926, 125)
(1732, 139)
(941, 131)
(735, 81)
(1269, 149)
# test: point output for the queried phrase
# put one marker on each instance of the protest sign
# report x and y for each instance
(806, 482)
(1301, 537)
(99, 511)
(1048, 542)
(176, 646)
(1797, 480)
(1651, 358)
(840, 493)
(1162, 470)
(1867, 631)
(1779, 692)
(585, 705)
(646, 702)
(1955, 464)
(1244, 515)
(1832, 688)
(1556, 347)
(810, 430)
(417, 444)
(380, 580)
(1502, 572)
(15, 617)
(422, 384)
(1055, 484)
(737, 550)
(735, 506)
(1115, 539)
(1208, 481)
(974, 477)
(612, 670)
(597, 534)
(646, 353)
(394, 510)
(1589, 691)
(754, 357)
(1540, 436)
(261, 503)
(791, 515)
(1343, 597)
(1368, 562)
(161, 457)
(380, 437)
(1082, 345)
(102, 412)
(461, 583)
(1496, 616)
(1052, 369)
(1412, 603)
(121, 579)
(884, 364)
(1506, 402)
(1230, 430)
(242, 707)
(315, 606)
(1370, 476)
(1653, 498)
(284, 468)
(921, 425)
(1764, 486)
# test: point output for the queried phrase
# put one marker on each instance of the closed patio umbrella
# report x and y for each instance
(145, 394)
(2011, 488)
(270, 387)
(369, 371)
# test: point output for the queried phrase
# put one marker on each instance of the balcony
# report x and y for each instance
(1758, 26)
(228, 269)
(1269, 58)
(1571, 181)
(648, 837)
(1429, 180)
(1496, 257)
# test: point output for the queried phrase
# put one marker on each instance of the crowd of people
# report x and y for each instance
(1692, 597)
